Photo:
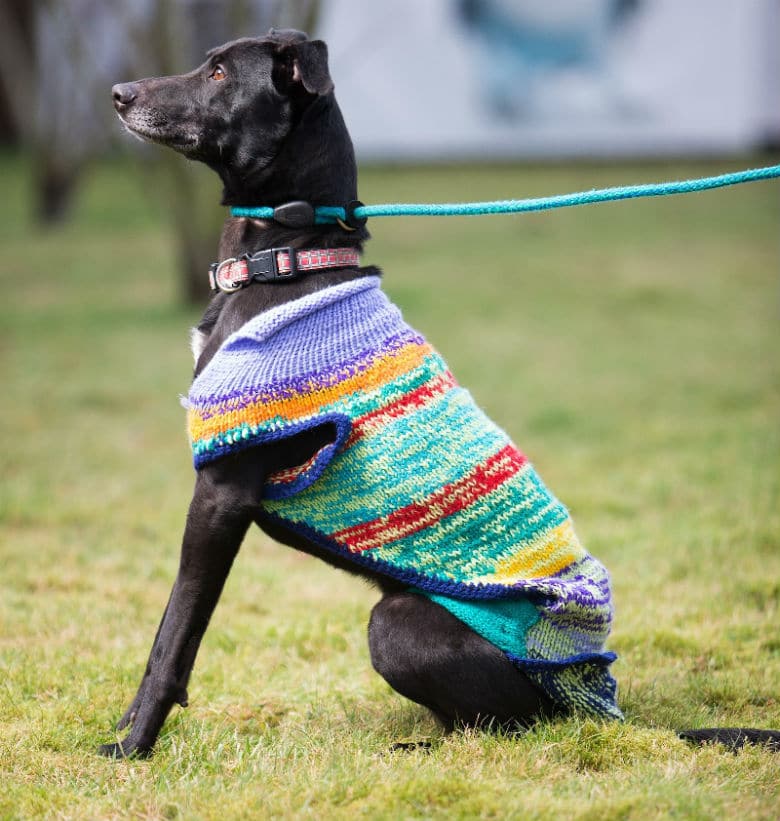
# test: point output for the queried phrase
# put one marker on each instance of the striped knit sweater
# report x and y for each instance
(417, 483)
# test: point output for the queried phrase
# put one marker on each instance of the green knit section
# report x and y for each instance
(503, 622)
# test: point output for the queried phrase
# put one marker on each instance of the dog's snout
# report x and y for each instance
(124, 94)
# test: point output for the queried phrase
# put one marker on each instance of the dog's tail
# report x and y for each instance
(733, 737)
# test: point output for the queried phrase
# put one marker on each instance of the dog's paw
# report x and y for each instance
(124, 749)
(127, 719)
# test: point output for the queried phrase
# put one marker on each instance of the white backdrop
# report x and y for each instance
(490, 78)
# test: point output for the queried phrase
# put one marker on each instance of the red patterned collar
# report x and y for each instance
(277, 265)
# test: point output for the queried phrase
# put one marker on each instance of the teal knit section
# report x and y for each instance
(503, 622)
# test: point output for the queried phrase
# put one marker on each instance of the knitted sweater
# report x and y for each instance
(417, 482)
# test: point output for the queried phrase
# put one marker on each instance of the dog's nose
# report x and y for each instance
(124, 94)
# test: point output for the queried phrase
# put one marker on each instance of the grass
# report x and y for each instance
(633, 350)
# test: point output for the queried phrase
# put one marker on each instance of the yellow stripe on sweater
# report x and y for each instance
(380, 372)
(548, 554)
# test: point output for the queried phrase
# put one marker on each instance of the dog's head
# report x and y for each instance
(238, 111)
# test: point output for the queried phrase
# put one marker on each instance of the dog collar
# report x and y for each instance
(277, 265)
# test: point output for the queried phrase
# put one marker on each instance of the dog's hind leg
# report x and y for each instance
(221, 510)
(434, 659)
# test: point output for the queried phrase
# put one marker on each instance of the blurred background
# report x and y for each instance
(444, 80)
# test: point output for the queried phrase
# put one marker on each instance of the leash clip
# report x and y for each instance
(350, 221)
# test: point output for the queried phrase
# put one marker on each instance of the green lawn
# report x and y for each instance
(632, 350)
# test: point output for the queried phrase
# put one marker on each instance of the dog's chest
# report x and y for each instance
(197, 343)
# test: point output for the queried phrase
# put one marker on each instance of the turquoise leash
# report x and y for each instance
(324, 214)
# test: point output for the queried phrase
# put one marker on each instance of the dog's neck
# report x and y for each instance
(247, 236)
(226, 313)
(315, 162)
(327, 177)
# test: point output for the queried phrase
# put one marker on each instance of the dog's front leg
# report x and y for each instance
(218, 518)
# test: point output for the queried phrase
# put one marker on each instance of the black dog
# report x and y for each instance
(262, 114)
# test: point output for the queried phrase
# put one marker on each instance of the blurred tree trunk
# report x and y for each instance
(185, 30)
(58, 61)
(80, 47)
(17, 67)
(191, 191)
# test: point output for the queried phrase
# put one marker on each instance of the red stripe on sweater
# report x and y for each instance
(408, 402)
(362, 425)
(289, 475)
(450, 499)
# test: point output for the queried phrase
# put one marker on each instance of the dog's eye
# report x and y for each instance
(218, 73)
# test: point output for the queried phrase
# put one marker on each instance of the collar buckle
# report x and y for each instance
(272, 264)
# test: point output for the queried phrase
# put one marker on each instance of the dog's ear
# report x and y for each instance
(309, 60)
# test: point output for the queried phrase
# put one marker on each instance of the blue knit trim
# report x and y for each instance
(239, 442)
(323, 459)
(444, 587)
(606, 658)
